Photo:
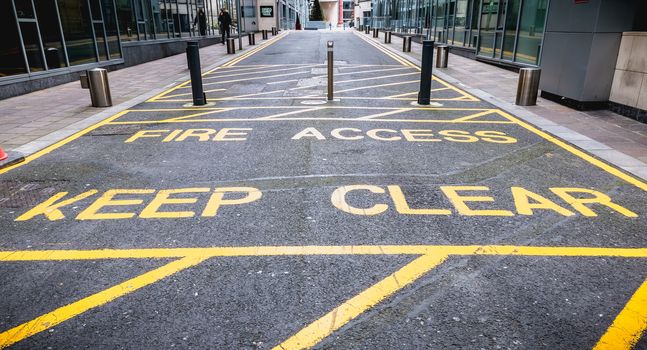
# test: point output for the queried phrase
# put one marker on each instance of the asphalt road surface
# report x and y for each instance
(271, 218)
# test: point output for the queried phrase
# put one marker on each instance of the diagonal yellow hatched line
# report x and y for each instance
(66, 312)
(619, 335)
(344, 313)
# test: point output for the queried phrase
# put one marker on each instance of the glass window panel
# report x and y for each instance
(75, 18)
(127, 27)
(459, 22)
(96, 10)
(512, 14)
(489, 15)
(531, 31)
(110, 23)
(11, 59)
(23, 8)
(160, 25)
(101, 41)
(32, 46)
(50, 33)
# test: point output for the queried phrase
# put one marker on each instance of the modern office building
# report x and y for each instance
(575, 42)
(48, 42)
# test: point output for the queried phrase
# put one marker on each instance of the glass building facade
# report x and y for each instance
(43, 37)
(502, 30)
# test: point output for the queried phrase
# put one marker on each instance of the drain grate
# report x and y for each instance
(114, 130)
(19, 194)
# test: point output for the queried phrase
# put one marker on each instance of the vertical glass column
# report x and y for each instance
(77, 29)
(12, 59)
(531, 31)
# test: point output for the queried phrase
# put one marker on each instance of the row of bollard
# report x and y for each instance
(527, 87)
(193, 60)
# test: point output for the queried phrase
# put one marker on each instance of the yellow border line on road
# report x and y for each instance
(225, 65)
(406, 62)
(619, 335)
(581, 154)
(46, 150)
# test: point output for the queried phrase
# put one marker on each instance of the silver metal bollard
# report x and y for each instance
(96, 80)
(406, 43)
(329, 46)
(528, 86)
(442, 56)
(231, 45)
(387, 37)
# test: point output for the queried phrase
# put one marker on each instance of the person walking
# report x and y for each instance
(201, 20)
(224, 20)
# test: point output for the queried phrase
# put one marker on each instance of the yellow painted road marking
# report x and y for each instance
(344, 313)
(475, 115)
(228, 64)
(190, 93)
(431, 256)
(213, 111)
(69, 311)
(629, 325)
(401, 110)
(404, 61)
(255, 78)
(214, 76)
(380, 85)
(583, 155)
(274, 116)
(65, 141)
(257, 49)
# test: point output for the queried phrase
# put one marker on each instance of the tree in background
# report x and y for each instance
(315, 13)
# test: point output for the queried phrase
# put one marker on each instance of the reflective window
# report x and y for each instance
(531, 31)
(11, 58)
(50, 33)
(511, 17)
(32, 46)
(110, 23)
(77, 28)
(127, 27)
(24, 8)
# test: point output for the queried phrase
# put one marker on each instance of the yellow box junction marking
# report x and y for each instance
(622, 334)
(228, 64)
(474, 116)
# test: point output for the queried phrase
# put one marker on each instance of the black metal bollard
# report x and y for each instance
(367, 29)
(274, 32)
(406, 43)
(387, 37)
(329, 46)
(376, 32)
(252, 38)
(193, 59)
(264, 33)
(231, 45)
(424, 95)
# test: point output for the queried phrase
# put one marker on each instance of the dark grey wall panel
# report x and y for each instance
(581, 45)
(601, 66)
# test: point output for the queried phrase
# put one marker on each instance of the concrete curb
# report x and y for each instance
(17, 155)
(625, 162)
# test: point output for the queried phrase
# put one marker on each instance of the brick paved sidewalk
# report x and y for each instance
(609, 131)
(32, 116)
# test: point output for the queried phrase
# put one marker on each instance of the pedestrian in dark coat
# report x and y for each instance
(224, 20)
(201, 20)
